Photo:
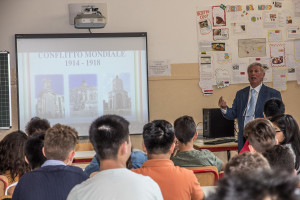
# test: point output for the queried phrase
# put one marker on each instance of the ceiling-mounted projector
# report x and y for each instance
(90, 18)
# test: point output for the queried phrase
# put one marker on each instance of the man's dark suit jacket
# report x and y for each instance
(240, 104)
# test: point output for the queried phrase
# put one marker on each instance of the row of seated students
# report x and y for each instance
(110, 137)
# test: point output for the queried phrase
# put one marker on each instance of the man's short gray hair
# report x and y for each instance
(256, 64)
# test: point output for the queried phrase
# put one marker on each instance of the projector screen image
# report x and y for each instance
(74, 78)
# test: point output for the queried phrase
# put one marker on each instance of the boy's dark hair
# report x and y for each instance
(59, 141)
(158, 136)
(34, 152)
(290, 129)
(246, 163)
(37, 125)
(274, 106)
(260, 185)
(261, 134)
(280, 158)
(107, 133)
(185, 129)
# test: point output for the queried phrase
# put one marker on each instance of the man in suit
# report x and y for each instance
(249, 102)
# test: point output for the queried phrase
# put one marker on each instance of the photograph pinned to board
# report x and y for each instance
(221, 34)
(239, 28)
(291, 65)
(279, 78)
(270, 20)
(255, 47)
(293, 32)
(274, 35)
(239, 73)
(223, 57)
(219, 16)
(204, 21)
(218, 46)
(222, 78)
(277, 54)
(266, 65)
(277, 4)
(205, 59)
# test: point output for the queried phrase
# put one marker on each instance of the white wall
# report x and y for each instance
(171, 24)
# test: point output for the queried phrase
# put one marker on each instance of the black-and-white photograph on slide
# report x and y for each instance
(83, 95)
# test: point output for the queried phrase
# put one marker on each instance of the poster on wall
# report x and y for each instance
(219, 16)
(274, 35)
(279, 78)
(204, 21)
(277, 54)
(221, 34)
(239, 28)
(222, 77)
(255, 47)
(239, 73)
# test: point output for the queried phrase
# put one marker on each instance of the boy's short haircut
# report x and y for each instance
(261, 134)
(185, 129)
(60, 140)
(37, 125)
(274, 106)
(158, 136)
(107, 133)
(33, 151)
(246, 162)
(280, 158)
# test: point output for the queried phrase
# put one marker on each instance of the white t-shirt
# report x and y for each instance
(116, 184)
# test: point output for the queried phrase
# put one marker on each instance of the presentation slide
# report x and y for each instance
(73, 81)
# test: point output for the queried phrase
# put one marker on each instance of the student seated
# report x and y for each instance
(185, 132)
(175, 182)
(288, 134)
(261, 135)
(137, 158)
(55, 179)
(37, 125)
(280, 158)
(109, 135)
(259, 185)
(272, 107)
(12, 162)
(246, 163)
(33, 156)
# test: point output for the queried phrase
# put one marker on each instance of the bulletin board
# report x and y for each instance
(230, 37)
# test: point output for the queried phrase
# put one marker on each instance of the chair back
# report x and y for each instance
(207, 176)
(3, 185)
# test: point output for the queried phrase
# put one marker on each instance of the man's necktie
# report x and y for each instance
(251, 108)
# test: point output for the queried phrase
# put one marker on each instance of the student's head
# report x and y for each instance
(59, 141)
(34, 151)
(108, 134)
(288, 127)
(260, 185)
(246, 163)
(37, 125)
(261, 135)
(12, 154)
(273, 106)
(256, 74)
(185, 129)
(287, 132)
(280, 158)
(158, 137)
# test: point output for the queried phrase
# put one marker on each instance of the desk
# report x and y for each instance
(83, 156)
(231, 146)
